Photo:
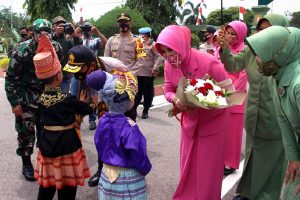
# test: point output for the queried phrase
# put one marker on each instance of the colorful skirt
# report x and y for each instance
(130, 185)
(66, 170)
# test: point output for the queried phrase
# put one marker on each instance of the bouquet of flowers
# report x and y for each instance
(206, 93)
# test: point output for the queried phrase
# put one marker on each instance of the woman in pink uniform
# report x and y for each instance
(237, 32)
(202, 131)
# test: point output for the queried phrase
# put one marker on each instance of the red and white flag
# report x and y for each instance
(200, 13)
(242, 12)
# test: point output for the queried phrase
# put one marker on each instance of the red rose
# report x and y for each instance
(193, 82)
(208, 86)
(202, 90)
(219, 93)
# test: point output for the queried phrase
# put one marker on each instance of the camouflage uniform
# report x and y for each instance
(24, 88)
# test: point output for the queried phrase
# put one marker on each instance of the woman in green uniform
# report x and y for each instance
(264, 164)
(280, 60)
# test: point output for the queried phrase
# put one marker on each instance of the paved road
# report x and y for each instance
(161, 132)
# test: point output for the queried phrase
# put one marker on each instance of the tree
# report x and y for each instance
(158, 13)
(13, 20)
(230, 14)
(49, 9)
(295, 21)
(191, 12)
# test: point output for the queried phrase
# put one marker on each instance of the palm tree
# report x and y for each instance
(191, 13)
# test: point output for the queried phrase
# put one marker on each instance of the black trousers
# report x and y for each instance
(66, 193)
(146, 89)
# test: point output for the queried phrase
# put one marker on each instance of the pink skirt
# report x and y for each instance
(67, 170)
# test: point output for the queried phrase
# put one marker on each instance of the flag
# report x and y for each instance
(241, 13)
(200, 13)
(264, 2)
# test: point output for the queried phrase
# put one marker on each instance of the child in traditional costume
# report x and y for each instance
(61, 162)
(119, 142)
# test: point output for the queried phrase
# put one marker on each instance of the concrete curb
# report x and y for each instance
(158, 90)
(2, 73)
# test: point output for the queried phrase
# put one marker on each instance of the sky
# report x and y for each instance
(96, 8)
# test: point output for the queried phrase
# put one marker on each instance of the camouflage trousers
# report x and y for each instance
(25, 126)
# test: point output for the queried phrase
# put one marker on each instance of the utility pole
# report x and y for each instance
(222, 16)
(11, 23)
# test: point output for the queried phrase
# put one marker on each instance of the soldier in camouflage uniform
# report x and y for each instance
(23, 91)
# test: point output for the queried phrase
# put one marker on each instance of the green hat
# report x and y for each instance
(41, 25)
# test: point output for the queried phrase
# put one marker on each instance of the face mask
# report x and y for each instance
(267, 69)
(86, 34)
(205, 38)
(124, 27)
(174, 59)
(23, 35)
(80, 76)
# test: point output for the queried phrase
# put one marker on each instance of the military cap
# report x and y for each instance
(79, 55)
(145, 30)
(59, 19)
(123, 16)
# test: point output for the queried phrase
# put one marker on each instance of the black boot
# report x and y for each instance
(27, 168)
(94, 180)
(145, 115)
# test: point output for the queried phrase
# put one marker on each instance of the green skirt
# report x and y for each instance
(264, 169)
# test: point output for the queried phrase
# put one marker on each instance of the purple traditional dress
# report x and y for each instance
(119, 142)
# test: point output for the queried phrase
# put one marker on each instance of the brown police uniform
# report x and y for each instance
(124, 49)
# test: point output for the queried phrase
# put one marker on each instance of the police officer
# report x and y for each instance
(124, 46)
(23, 91)
(94, 44)
(60, 29)
(148, 71)
(82, 61)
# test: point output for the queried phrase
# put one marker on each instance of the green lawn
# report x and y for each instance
(159, 80)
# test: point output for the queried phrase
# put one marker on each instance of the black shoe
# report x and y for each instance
(228, 171)
(94, 180)
(145, 116)
(239, 197)
(28, 172)
(92, 125)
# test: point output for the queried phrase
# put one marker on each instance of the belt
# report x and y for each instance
(59, 128)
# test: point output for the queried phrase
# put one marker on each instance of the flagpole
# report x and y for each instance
(222, 17)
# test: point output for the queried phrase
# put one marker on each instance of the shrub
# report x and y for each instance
(108, 25)
(4, 63)
(195, 41)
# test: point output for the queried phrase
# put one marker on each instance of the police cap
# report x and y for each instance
(209, 29)
(123, 16)
(145, 30)
(79, 55)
